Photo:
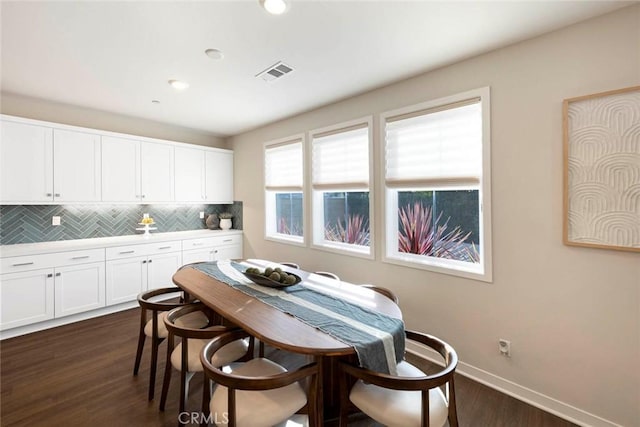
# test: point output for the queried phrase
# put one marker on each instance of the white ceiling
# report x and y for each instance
(118, 56)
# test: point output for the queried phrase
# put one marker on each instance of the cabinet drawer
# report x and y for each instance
(205, 242)
(33, 262)
(119, 252)
(26, 262)
(234, 239)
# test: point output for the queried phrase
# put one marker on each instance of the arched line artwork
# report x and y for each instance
(601, 151)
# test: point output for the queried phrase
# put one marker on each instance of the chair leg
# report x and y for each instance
(167, 373)
(344, 400)
(141, 340)
(453, 412)
(154, 364)
(206, 398)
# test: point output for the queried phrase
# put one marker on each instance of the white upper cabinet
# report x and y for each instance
(189, 175)
(76, 166)
(136, 171)
(26, 163)
(157, 172)
(219, 177)
(204, 175)
(120, 169)
(41, 164)
(48, 163)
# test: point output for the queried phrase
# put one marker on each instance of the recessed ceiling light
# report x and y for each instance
(178, 84)
(275, 7)
(214, 53)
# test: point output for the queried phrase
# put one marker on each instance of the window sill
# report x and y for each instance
(345, 249)
(451, 268)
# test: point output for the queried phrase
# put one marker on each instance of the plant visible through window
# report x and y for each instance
(356, 231)
(420, 234)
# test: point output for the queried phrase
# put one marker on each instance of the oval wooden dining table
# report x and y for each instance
(282, 330)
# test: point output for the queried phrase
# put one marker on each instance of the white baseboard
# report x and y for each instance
(41, 326)
(532, 397)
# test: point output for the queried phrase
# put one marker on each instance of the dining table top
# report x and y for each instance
(273, 326)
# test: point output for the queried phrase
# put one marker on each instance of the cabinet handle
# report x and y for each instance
(126, 252)
(227, 240)
(57, 194)
(80, 257)
(197, 244)
(144, 262)
(22, 264)
(150, 261)
(49, 194)
(165, 247)
(143, 196)
(58, 274)
(49, 275)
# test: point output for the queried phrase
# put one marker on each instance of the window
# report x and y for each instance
(340, 182)
(437, 188)
(283, 178)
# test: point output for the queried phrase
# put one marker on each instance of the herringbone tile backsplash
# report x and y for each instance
(32, 224)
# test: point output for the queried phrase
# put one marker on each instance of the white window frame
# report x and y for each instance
(390, 254)
(317, 202)
(269, 195)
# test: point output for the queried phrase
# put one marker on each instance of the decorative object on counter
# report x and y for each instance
(225, 220)
(212, 222)
(146, 222)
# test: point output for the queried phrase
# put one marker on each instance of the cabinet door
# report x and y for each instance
(76, 166)
(197, 255)
(156, 172)
(125, 279)
(227, 252)
(218, 177)
(189, 175)
(26, 298)
(120, 170)
(79, 288)
(26, 163)
(161, 269)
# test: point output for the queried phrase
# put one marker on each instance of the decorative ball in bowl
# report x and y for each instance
(272, 277)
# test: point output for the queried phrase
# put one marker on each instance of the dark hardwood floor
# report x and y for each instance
(81, 375)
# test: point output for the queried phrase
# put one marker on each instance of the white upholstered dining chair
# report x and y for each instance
(258, 392)
(185, 357)
(409, 399)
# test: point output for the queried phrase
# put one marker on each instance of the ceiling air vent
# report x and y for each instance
(275, 72)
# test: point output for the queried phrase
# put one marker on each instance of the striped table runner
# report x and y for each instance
(377, 339)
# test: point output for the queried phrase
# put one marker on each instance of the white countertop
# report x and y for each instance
(22, 249)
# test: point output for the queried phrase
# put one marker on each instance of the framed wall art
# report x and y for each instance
(602, 170)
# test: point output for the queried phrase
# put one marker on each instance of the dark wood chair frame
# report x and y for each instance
(236, 382)
(155, 307)
(213, 329)
(423, 384)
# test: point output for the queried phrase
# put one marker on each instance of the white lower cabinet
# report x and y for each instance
(137, 268)
(43, 287)
(79, 288)
(212, 249)
(126, 278)
(26, 297)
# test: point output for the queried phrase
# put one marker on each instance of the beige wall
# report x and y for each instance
(40, 109)
(572, 314)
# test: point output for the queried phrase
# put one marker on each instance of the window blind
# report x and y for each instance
(437, 147)
(283, 165)
(341, 160)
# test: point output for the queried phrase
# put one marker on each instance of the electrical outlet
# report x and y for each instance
(505, 347)
(55, 220)
(201, 215)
